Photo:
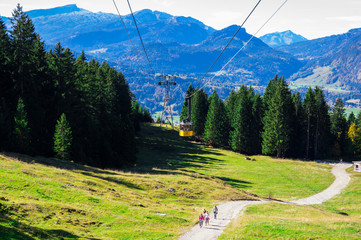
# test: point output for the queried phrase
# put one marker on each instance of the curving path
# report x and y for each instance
(229, 210)
(341, 181)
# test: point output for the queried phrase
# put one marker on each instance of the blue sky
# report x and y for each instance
(310, 18)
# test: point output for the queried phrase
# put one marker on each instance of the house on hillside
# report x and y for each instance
(357, 166)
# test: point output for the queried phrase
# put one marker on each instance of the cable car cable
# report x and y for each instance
(140, 37)
(249, 40)
(126, 30)
(229, 42)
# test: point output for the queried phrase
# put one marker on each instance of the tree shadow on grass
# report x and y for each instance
(13, 229)
(114, 180)
(58, 163)
(236, 183)
(164, 149)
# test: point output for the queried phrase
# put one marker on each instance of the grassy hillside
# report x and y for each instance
(158, 199)
(282, 178)
(45, 200)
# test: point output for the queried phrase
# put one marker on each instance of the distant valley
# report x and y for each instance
(186, 47)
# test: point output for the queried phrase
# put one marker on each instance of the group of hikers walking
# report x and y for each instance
(204, 216)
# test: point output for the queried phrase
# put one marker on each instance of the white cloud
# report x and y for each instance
(223, 19)
(164, 3)
(346, 18)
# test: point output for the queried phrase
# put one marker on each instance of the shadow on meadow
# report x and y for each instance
(236, 183)
(160, 151)
(17, 230)
(164, 149)
(58, 163)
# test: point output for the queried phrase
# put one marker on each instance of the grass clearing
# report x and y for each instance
(281, 178)
(158, 199)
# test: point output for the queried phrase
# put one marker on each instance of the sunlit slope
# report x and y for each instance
(158, 199)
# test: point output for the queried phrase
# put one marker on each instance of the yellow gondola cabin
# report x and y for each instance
(186, 128)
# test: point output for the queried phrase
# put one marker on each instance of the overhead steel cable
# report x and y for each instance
(130, 39)
(229, 42)
(140, 37)
(244, 46)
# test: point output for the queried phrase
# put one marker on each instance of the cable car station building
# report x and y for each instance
(357, 166)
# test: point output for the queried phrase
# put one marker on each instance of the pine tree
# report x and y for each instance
(351, 119)
(231, 103)
(63, 138)
(147, 116)
(270, 90)
(63, 72)
(6, 88)
(21, 129)
(136, 116)
(339, 127)
(257, 124)
(199, 112)
(5, 67)
(241, 136)
(322, 135)
(216, 130)
(277, 122)
(358, 119)
(184, 112)
(298, 138)
(309, 106)
(23, 38)
(40, 101)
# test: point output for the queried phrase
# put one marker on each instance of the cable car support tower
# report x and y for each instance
(167, 115)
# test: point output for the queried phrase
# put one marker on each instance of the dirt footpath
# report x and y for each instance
(229, 210)
(226, 212)
(341, 181)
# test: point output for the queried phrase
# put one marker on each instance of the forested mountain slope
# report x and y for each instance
(332, 62)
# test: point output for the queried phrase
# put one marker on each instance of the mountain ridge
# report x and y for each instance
(54, 11)
(187, 47)
(334, 60)
(278, 39)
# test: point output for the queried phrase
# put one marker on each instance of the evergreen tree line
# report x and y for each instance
(279, 123)
(53, 102)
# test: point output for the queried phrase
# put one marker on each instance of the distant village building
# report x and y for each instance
(357, 166)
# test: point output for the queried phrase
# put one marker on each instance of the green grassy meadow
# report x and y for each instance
(160, 198)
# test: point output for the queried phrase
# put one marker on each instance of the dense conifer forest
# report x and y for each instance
(54, 104)
(280, 123)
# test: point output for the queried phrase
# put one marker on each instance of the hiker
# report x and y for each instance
(201, 220)
(207, 218)
(215, 211)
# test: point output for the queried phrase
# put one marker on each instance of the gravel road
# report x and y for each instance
(229, 210)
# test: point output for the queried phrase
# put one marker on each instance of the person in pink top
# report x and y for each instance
(207, 218)
(201, 218)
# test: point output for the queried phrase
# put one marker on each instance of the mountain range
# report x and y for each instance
(332, 62)
(186, 47)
